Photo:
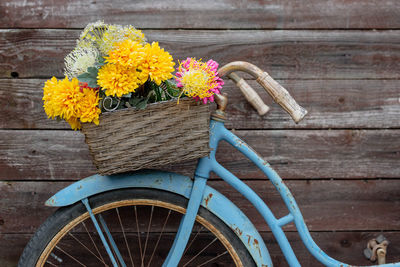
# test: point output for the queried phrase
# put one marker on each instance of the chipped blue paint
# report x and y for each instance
(217, 204)
(97, 184)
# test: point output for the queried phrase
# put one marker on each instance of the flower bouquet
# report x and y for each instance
(135, 113)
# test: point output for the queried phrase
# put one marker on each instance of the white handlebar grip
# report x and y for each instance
(282, 97)
(250, 94)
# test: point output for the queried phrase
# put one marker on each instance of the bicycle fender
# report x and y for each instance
(213, 201)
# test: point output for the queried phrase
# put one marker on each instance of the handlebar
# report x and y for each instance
(249, 93)
(277, 92)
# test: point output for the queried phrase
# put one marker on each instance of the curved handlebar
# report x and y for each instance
(250, 94)
(277, 92)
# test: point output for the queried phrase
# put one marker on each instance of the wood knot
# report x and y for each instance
(14, 74)
(345, 243)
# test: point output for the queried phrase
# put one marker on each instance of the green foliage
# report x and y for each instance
(148, 93)
(100, 62)
(89, 77)
(172, 89)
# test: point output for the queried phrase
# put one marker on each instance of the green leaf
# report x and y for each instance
(142, 104)
(93, 71)
(89, 77)
(93, 83)
(84, 76)
(100, 61)
(172, 89)
(135, 101)
(154, 87)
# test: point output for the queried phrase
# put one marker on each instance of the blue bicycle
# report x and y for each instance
(154, 218)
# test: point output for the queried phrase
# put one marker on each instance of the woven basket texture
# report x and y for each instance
(163, 133)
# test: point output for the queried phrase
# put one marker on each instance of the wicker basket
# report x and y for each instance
(163, 133)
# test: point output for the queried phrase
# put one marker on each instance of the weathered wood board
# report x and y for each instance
(351, 205)
(303, 154)
(287, 14)
(284, 54)
(330, 103)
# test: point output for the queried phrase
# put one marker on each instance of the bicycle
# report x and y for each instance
(191, 208)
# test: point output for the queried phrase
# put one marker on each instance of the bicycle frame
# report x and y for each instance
(198, 192)
(218, 132)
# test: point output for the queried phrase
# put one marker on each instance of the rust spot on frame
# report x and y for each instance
(256, 244)
(238, 231)
(248, 239)
(208, 198)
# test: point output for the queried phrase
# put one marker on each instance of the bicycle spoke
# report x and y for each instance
(210, 260)
(123, 232)
(83, 245)
(56, 257)
(156, 221)
(94, 244)
(52, 264)
(138, 232)
(159, 238)
(194, 238)
(63, 251)
(147, 236)
(195, 256)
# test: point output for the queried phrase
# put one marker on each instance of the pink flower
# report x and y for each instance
(198, 79)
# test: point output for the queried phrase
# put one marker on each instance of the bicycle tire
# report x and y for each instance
(67, 220)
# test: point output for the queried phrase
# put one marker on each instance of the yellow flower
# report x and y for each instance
(65, 99)
(89, 106)
(60, 98)
(127, 53)
(157, 63)
(74, 123)
(48, 92)
(118, 80)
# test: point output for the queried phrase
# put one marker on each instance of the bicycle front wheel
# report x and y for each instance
(142, 223)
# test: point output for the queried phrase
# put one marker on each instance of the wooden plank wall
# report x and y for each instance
(339, 59)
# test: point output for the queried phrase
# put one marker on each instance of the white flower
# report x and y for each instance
(91, 28)
(79, 60)
(109, 38)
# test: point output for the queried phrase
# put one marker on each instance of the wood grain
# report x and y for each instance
(344, 246)
(339, 59)
(229, 14)
(305, 154)
(336, 205)
(331, 104)
(283, 54)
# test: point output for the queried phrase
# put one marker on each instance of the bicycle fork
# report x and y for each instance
(186, 224)
(181, 238)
